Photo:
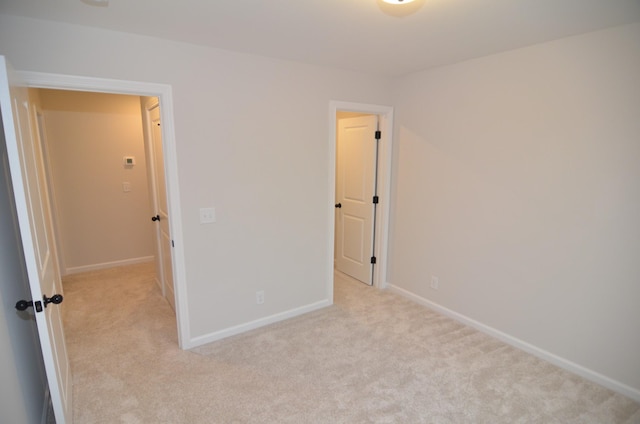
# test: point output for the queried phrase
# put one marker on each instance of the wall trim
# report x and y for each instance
(563, 363)
(252, 325)
(105, 265)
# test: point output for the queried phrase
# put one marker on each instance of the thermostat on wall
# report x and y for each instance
(129, 160)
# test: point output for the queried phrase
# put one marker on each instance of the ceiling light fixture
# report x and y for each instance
(102, 3)
(400, 8)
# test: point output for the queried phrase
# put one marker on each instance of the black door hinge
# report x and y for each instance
(172, 244)
(378, 135)
(373, 259)
(375, 200)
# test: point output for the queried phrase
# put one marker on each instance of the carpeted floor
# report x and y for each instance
(373, 357)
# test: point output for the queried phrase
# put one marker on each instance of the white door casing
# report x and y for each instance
(159, 193)
(34, 220)
(355, 182)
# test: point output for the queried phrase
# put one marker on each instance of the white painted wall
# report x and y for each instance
(88, 134)
(516, 180)
(517, 183)
(251, 136)
(22, 385)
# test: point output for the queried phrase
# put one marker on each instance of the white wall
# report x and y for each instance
(22, 385)
(252, 141)
(516, 180)
(517, 183)
(88, 134)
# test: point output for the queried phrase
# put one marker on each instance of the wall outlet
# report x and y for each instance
(260, 297)
(207, 215)
(435, 282)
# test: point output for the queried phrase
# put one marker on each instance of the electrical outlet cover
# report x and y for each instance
(207, 215)
(435, 283)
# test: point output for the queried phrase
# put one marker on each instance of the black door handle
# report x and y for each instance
(22, 305)
(155, 218)
(338, 205)
(56, 299)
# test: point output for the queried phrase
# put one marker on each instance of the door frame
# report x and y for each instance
(381, 229)
(164, 94)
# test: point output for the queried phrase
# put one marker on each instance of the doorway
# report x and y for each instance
(356, 194)
(164, 95)
(94, 157)
(374, 261)
(103, 159)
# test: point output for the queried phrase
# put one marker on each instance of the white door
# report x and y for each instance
(355, 184)
(34, 220)
(159, 192)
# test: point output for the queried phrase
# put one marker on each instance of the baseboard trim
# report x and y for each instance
(105, 265)
(563, 363)
(252, 325)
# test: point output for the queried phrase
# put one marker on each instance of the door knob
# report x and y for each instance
(338, 205)
(56, 299)
(22, 305)
(155, 218)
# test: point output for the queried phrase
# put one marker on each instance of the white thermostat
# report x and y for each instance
(129, 160)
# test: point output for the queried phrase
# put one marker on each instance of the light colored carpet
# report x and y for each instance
(373, 357)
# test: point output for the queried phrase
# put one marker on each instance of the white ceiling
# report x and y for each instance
(348, 34)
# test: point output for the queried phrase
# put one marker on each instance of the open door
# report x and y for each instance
(355, 189)
(160, 218)
(34, 220)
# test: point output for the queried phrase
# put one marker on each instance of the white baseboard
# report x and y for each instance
(105, 265)
(252, 325)
(563, 363)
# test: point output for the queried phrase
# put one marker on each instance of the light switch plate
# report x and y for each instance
(207, 215)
